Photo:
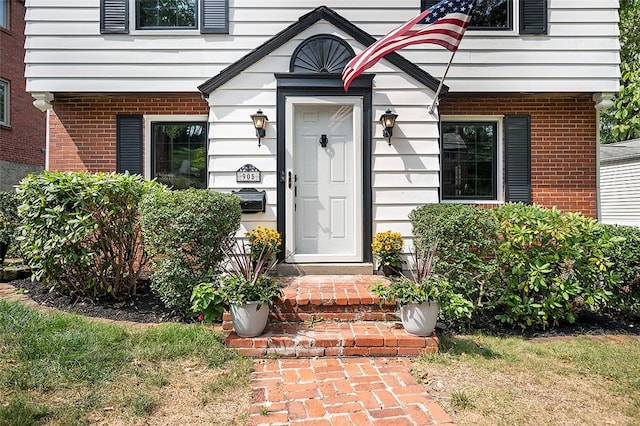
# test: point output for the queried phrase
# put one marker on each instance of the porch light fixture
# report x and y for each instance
(388, 121)
(260, 123)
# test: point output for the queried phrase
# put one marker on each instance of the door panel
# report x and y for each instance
(326, 193)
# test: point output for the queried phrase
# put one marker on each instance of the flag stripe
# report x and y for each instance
(443, 24)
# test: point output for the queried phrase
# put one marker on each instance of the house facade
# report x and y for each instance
(619, 185)
(171, 93)
(22, 126)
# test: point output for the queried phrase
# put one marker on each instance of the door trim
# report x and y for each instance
(319, 85)
(291, 103)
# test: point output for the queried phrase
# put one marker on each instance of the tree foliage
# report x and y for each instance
(622, 121)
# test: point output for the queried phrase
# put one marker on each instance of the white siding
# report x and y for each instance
(620, 193)
(405, 174)
(66, 52)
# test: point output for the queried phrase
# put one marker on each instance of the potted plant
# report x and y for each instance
(247, 283)
(421, 295)
(387, 247)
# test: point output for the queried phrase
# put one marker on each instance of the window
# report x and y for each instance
(179, 154)
(210, 16)
(492, 15)
(165, 14)
(4, 103)
(4, 13)
(500, 15)
(469, 160)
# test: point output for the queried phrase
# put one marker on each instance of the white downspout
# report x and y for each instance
(46, 143)
(603, 102)
(42, 101)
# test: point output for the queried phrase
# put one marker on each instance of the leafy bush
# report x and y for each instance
(80, 232)
(467, 238)
(8, 218)
(208, 302)
(552, 264)
(185, 235)
(625, 259)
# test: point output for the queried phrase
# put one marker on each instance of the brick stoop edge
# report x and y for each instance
(330, 316)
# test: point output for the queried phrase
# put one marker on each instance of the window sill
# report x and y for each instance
(156, 32)
(471, 201)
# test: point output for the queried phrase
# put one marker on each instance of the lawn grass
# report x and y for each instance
(63, 369)
(586, 380)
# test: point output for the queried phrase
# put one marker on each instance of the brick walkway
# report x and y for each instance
(326, 391)
(341, 391)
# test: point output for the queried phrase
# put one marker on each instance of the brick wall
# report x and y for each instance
(23, 140)
(83, 129)
(563, 144)
(563, 139)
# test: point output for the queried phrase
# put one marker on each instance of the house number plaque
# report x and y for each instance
(248, 173)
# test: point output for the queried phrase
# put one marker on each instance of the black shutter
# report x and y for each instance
(533, 17)
(426, 4)
(129, 144)
(114, 16)
(215, 16)
(518, 158)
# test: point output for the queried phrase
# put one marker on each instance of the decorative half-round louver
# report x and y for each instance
(321, 54)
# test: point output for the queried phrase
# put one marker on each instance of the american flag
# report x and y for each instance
(443, 24)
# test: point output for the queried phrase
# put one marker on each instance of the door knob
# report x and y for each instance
(324, 141)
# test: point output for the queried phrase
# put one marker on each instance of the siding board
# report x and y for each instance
(580, 34)
(620, 193)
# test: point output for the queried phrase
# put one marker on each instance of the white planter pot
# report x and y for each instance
(249, 320)
(420, 319)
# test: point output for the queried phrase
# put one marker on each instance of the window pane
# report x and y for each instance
(4, 13)
(468, 160)
(491, 14)
(179, 154)
(4, 104)
(167, 13)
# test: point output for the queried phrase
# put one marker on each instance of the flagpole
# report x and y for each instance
(446, 71)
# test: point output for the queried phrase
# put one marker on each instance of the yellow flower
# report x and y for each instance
(387, 247)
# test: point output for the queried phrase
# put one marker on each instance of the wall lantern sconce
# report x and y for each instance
(260, 123)
(388, 121)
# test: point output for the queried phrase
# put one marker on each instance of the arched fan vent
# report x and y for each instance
(321, 54)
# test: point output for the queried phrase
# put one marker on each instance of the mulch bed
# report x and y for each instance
(144, 307)
(147, 307)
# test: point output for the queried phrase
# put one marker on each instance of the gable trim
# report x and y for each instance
(296, 28)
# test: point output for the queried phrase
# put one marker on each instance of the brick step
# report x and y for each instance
(329, 298)
(330, 315)
(333, 339)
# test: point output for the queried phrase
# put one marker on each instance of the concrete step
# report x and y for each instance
(298, 269)
(333, 339)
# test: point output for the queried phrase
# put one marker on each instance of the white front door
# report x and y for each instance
(324, 200)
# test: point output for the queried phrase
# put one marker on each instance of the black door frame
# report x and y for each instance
(317, 84)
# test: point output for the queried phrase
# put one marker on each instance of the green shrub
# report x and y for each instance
(552, 264)
(208, 302)
(185, 235)
(80, 232)
(625, 259)
(8, 217)
(467, 238)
